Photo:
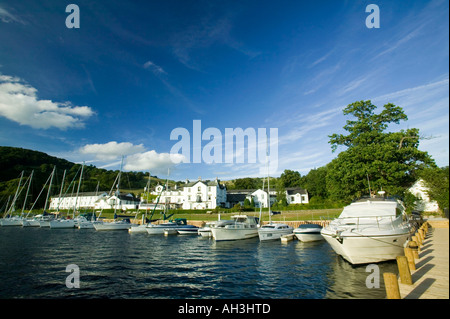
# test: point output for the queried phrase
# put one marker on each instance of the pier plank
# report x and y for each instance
(431, 277)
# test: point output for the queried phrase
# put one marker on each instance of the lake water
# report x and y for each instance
(118, 264)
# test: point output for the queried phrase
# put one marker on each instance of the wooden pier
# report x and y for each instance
(424, 272)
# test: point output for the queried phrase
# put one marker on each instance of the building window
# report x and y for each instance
(199, 189)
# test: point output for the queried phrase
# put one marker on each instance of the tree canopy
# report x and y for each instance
(388, 160)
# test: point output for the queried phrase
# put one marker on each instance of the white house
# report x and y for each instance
(193, 195)
(424, 204)
(294, 195)
(94, 200)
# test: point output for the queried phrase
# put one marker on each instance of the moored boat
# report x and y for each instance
(274, 231)
(308, 232)
(240, 227)
(369, 231)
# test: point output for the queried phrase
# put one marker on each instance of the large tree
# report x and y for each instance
(389, 160)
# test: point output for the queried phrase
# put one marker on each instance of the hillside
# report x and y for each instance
(14, 160)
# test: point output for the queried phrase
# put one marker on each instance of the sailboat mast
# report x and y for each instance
(16, 194)
(49, 188)
(28, 190)
(78, 190)
(268, 177)
(118, 186)
(60, 191)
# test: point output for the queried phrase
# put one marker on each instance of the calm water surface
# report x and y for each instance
(117, 264)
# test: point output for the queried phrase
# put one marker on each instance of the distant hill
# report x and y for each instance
(14, 160)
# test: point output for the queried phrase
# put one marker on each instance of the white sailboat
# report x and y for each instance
(8, 219)
(272, 231)
(123, 224)
(66, 222)
(369, 231)
(142, 228)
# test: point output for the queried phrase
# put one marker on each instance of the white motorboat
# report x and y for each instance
(240, 227)
(308, 232)
(123, 224)
(274, 231)
(189, 230)
(62, 223)
(205, 231)
(369, 231)
(177, 224)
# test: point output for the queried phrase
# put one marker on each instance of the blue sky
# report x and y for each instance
(136, 70)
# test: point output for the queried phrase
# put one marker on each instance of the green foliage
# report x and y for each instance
(389, 160)
(437, 182)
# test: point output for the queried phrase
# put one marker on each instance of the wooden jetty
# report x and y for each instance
(424, 270)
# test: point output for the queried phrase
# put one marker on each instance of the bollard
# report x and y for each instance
(415, 248)
(391, 285)
(403, 269)
(410, 257)
(419, 238)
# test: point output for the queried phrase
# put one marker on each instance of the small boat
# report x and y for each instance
(205, 231)
(177, 224)
(308, 232)
(369, 231)
(189, 230)
(274, 231)
(240, 227)
(123, 224)
(62, 223)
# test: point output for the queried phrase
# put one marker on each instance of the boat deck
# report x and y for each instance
(431, 277)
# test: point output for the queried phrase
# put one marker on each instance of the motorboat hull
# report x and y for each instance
(308, 237)
(205, 232)
(367, 249)
(188, 231)
(153, 229)
(273, 234)
(233, 233)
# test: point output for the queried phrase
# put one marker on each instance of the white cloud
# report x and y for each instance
(152, 161)
(19, 103)
(111, 150)
(156, 69)
(7, 17)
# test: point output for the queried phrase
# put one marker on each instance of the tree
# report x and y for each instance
(388, 160)
(437, 182)
(291, 178)
(315, 182)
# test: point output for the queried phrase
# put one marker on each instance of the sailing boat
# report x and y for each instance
(67, 223)
(142, 228)
(9, 220)
(123, 224)
(272, 230)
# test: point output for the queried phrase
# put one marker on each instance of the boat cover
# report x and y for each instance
(370, 209)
